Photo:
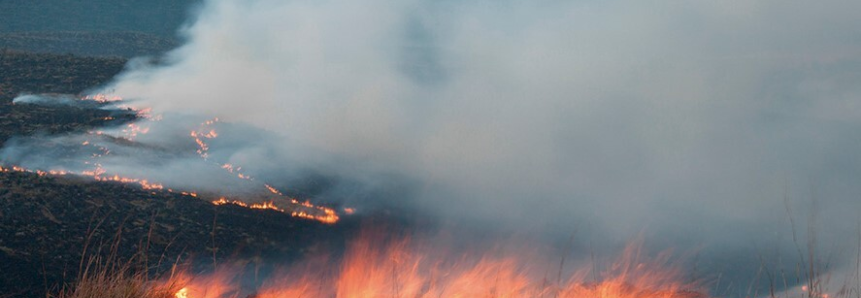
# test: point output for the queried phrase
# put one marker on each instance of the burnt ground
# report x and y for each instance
(49, 224)
(46, 222)
(94, 27)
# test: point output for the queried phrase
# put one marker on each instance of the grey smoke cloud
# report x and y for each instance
(606, 104)
(691, 120)
(45, 99)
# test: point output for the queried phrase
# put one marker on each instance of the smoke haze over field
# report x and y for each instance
(691, 120)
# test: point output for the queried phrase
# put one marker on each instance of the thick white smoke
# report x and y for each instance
(692, 120)
(553, 109)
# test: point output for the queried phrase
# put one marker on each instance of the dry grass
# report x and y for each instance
(116, 283)
(111, 276)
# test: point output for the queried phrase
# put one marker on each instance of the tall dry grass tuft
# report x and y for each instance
(109, 281)
(110, 275)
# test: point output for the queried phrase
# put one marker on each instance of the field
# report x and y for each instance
(412, 149)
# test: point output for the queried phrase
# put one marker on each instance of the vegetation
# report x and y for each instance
(98, 43)
(109, 277)
(22, 72)
(116, 284)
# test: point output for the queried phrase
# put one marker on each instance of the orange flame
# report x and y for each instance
(102, 98)
(398, 269)
(132, 130)
(304, 210)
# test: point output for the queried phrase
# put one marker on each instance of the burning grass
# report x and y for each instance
(120, 282)
(378, 267)
(110, 276)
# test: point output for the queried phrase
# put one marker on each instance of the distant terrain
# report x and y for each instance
(157, 17)
(93, 27)
(24, 72)
(99, 43)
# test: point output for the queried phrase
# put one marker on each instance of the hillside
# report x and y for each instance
(23, 72)
(47, 221)
(93, 28)
(157, 17)
(87, 43)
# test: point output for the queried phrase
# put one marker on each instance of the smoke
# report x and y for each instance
(703, 123)
(59, 99)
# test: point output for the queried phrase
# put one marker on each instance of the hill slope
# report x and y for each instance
(93, 27)
(157, 17)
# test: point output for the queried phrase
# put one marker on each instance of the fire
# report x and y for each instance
(376, 267)
(142, 182)
(298, 209)
(305, 209)
(51, 172)
(813, 292)
(95, 174)
(329, 216)
(146, 113)
(182, 293)
(205, 132)
(220, 201)
(102, 98)
(272, 189)
(132, 130)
